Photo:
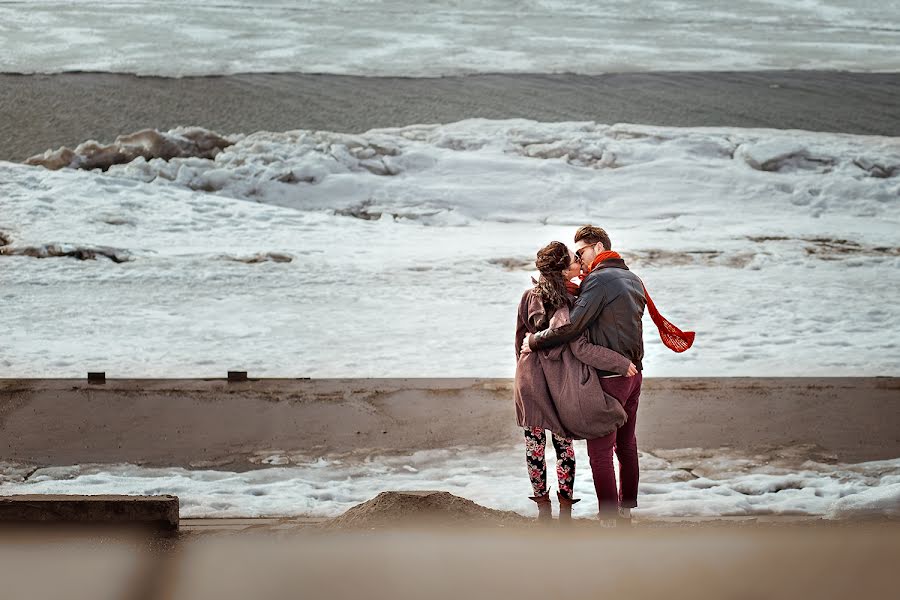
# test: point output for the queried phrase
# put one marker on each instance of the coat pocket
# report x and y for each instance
(585, 373)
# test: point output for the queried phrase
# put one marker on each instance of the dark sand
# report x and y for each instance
(214, 424)
(38, 112)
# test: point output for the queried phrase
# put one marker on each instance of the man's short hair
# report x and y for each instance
(592, 235)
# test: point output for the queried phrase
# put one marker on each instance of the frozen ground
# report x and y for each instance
(406, 38)
(404, 252)
(683, 483)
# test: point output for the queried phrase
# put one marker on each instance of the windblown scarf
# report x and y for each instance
(674, 338)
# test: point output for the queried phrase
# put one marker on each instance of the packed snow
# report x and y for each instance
(674, 483)
(417, 39)
(403, 252)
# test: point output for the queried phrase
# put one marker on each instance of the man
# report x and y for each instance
(610, 306)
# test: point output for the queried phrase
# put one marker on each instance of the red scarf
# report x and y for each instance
(601, 256)
(674, 338)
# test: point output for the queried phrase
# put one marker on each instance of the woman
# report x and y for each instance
(558, 389)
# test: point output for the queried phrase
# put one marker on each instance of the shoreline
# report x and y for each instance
(43, 112)
(461, 75)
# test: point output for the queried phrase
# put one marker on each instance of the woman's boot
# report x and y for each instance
(545, 512)
(565, 508)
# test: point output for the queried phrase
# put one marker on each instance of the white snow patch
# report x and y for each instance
(744, 485)
(236, 261)
(879, 501)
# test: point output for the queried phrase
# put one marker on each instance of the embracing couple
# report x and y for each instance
(578, 373)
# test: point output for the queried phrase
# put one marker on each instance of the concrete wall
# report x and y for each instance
(213, 423)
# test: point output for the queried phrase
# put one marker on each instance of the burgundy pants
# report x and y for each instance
(623, 442)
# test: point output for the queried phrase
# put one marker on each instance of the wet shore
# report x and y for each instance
(38, 112)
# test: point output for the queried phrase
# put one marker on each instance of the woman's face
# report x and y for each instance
(574, 269)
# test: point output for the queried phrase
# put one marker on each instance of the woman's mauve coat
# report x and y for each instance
(559, 388)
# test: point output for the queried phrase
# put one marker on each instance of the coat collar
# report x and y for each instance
(611, 263)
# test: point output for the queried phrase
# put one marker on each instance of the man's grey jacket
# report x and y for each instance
(609, 307)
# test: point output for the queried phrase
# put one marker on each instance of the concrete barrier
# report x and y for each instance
(158, 512)
(197, 423)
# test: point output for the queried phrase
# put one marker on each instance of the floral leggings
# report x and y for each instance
(535, 442)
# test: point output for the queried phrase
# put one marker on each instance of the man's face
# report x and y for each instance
(586, 252)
